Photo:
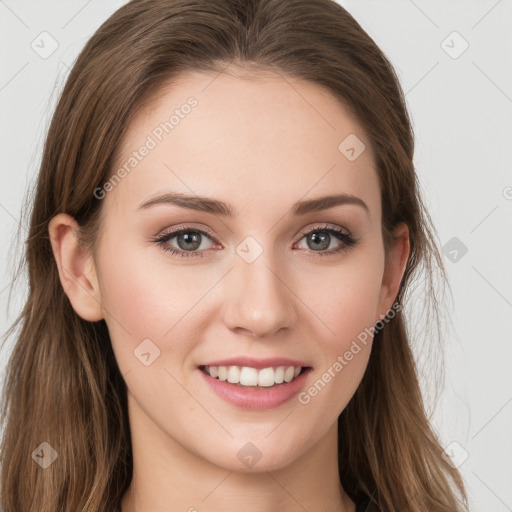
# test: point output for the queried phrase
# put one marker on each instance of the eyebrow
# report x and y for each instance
(216, 207)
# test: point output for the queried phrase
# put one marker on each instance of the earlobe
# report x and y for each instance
(397, 260)
(77, 271)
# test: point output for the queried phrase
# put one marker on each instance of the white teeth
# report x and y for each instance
(247, 376)
(279, 375)
(288, 374)
(223, 372)
(266, 377)
(233, 374)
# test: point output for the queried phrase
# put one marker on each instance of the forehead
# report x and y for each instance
(246, 139)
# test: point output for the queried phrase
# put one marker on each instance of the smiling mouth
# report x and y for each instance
(246, 376)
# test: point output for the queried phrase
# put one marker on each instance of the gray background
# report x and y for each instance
(461, 108)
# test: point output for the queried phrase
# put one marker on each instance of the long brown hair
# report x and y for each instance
(63, 385)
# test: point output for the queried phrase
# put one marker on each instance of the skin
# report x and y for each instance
(260, 143)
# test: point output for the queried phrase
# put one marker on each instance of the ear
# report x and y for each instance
(394, 270)
(77, 270)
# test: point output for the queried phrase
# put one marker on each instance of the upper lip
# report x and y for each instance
(257, 363)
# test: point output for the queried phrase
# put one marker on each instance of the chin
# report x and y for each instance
(255, 457)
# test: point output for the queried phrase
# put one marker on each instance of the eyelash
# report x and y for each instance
(162, 241)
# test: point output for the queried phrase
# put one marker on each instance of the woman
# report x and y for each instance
(226, 222)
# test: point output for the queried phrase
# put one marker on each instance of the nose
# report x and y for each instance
(261, 301)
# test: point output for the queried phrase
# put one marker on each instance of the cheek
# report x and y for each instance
(345, 298)
(346, 301)
(147, 299)
(145, 296)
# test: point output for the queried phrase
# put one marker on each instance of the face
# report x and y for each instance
(277, 280)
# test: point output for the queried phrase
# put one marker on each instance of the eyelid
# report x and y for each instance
(347, 240)
(319, 227)
(303, 232)
(187, 227)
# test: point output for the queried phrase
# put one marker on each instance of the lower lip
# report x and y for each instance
(256, 399)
